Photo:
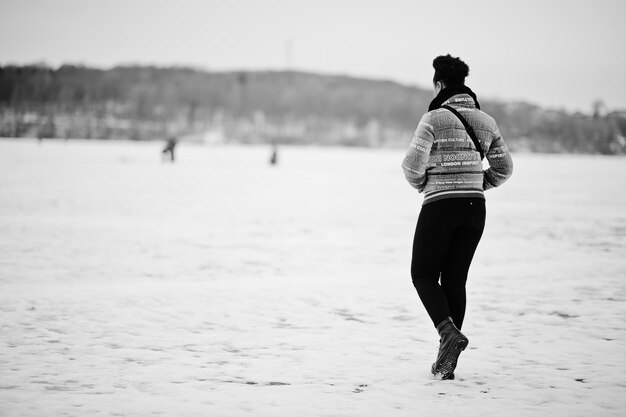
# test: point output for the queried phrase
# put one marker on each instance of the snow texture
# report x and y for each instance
(222, 286)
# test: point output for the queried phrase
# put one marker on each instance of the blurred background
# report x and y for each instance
(332, 73)
(267, 271)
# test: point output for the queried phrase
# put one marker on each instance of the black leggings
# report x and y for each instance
(446, 237)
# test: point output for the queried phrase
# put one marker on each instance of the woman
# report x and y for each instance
(445, 163)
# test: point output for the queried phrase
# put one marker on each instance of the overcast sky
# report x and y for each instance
(556, 53)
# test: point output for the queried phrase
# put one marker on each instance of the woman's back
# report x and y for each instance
(443, 161)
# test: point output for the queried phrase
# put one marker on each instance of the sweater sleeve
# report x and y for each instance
(416, 160)
(500, 163)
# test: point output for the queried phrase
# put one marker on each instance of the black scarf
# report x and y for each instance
(448, 92)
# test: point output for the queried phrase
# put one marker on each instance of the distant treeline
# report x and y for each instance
(144, 103)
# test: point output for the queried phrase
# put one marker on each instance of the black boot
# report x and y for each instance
(451, 344)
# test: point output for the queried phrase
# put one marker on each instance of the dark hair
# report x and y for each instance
(452, 71)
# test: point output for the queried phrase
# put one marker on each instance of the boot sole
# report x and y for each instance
(446, 367)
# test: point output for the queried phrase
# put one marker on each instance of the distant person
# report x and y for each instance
(444, 162)
(170, 146)
(274, 155)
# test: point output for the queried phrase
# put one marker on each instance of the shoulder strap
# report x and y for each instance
(470, 130)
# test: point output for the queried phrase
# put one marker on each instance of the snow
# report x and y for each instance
(223, 286)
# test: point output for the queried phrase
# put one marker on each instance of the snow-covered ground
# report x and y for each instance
(223, 286)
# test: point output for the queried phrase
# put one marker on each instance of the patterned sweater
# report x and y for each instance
(442, 161)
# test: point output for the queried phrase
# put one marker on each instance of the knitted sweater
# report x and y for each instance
(442, 161)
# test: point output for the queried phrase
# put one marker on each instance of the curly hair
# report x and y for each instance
(450, 70)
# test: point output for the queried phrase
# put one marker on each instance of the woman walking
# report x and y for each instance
(444, 162)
